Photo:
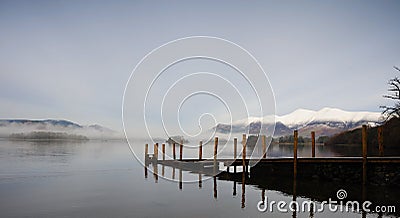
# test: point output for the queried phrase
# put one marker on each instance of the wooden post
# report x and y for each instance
(181, 150)
(234, 153)
(264, 146)
(244, 139)
(364, 152)
(173, 150)
(215, 148)
(215, 154)
(163, 151)
(295, 154)
(201, 150)
(234, 148)
(380, 141)
(156, 151)
(146, 152)
(313, 144)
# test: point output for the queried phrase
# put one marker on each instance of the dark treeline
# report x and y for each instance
(301, 139)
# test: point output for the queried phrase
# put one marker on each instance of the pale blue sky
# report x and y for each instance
(71, 59)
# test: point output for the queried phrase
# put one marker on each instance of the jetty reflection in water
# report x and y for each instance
(299, 190)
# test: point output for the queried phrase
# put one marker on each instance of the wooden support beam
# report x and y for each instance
(264, 146)
(146, 151)
(234, 148)
(201, 150)
(380, 141)
(234, 153)
(244, 140)
(215, 154)
(181, 150)
(313, 144)
(173, 151)
(163, 151)
(155, 152)
(295, 154)
(364, 152)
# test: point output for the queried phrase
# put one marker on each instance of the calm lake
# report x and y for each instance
(104, 179)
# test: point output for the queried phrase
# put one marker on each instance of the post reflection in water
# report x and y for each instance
(294, 215)
(145, 172)
(200, 181)
(215, 187)
(234, 188)
(286, 184)
(243, 189)
(180, 179)
(263, 196)
(312, 209)
(155, 172)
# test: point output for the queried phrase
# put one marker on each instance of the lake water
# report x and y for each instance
(103, 179)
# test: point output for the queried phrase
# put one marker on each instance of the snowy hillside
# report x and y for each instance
(326, 121)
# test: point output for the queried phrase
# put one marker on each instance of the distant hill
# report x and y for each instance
(391, 137)
(46, 136)
(52, 128)
(325, 122)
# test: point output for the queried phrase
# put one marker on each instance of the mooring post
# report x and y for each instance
(295, 154)
(244, 139)
(156, 152)
(380, 141)
(163, 151)
(264, 146)
(201, 150)
(364, 152)
(173, 151)
(313, 144)
(234, 153)
(181, 150)
(215, 154)
(146, 152)
(234, 148)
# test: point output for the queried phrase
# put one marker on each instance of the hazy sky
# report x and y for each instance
(72, 59)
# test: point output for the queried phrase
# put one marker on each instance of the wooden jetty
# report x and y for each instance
(380, 170)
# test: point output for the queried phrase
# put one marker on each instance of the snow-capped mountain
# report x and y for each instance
(326, 121)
